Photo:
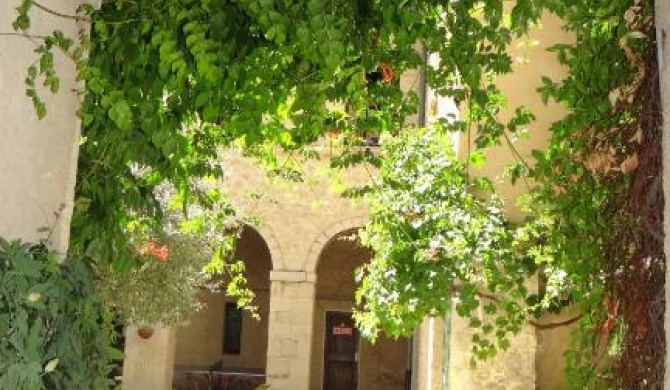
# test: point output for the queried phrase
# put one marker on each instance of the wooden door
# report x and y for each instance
(340, 368)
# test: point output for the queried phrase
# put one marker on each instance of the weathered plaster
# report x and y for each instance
(38, 158)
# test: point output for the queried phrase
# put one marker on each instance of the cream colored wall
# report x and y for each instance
(511, 369)
(200, 342)
(520, 87)
(447, 359)
(293, 215)
(383, 364)
(551, 343)
(37, 158)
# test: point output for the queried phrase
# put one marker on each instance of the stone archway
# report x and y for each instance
(316, 248)
(222, 337)
(382, 366)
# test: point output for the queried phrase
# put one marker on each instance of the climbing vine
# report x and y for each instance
(168, 83)
(594, 212)
(609, 242)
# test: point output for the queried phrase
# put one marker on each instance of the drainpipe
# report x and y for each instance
(409, 360)
(429, 355)
(422, 121)
(423, 88)
(446, 344)
(446, 325)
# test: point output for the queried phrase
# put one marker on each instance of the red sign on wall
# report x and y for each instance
(343, 330)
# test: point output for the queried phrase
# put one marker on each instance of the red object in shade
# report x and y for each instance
(387, 72)
(157, 251)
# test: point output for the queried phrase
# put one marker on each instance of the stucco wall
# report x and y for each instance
(37, 158)
(520, 88)
(533, 62)
(148, 362)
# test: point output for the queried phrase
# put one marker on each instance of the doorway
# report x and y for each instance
(340, 364)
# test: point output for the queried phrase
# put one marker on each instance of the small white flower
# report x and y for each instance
(51, 365)
(34, 297)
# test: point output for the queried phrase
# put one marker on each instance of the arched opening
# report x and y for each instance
(340, 359)
(221, 340)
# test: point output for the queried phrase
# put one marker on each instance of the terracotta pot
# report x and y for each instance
(145, 332)
(333, 132)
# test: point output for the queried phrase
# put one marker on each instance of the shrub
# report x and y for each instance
(54, 331)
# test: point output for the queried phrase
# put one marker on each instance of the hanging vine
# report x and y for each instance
(170, 82)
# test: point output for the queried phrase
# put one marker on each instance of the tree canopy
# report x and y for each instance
(168, 83)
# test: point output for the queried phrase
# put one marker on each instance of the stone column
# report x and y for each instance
(149, 363)
(427, 355)
(663, 38)
(290, 329)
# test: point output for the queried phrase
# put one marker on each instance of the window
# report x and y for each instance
(232, 329)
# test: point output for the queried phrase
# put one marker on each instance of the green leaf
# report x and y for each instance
(121, 114)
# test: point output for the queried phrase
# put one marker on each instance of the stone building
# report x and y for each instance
(300, 258)
(300, 263)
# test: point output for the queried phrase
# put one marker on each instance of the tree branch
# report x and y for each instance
(59, 14)
(535, 324)
(552, 325)
(22, 35)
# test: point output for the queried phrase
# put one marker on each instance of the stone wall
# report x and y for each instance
(300, 219)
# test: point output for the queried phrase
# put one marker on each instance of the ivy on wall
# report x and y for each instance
(594, 212)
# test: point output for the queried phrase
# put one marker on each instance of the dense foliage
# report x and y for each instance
(170, 82)
(601, 193)
(594, 208)
(175, 268)
(56, 334)
(435, 240)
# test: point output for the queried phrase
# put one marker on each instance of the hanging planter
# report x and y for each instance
(145, 331)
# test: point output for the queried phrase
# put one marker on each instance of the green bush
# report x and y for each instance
(54, 331)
